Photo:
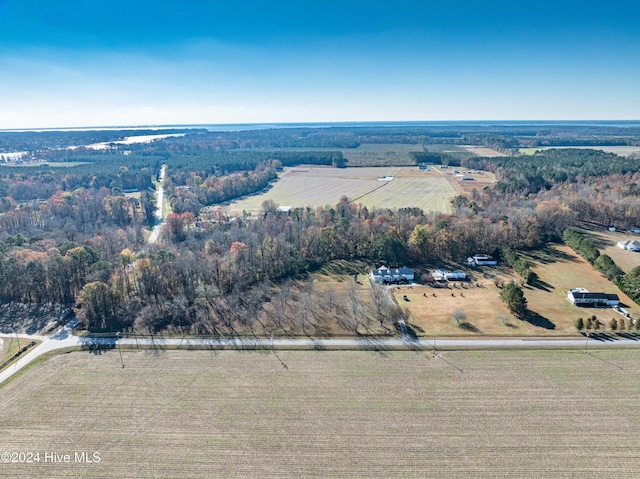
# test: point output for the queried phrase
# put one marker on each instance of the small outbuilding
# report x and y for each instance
(444, 275)
(482, 260)
(631, 245)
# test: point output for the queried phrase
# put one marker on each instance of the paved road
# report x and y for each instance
(65, 339)
(155, 233)
(62, 339)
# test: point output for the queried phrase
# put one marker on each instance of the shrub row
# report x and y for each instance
(518, 263)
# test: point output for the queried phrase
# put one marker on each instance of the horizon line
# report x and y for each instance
(310, 123)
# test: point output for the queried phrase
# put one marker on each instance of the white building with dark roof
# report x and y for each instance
(482, 260)
(583, 297)
(631, 245)
(444, 275)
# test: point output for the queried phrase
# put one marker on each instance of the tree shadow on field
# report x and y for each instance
(550, 255)
(598, 241)
(97, 349)
(599, 336)
(537, 283)
(538, 320)
(372, 343)
(467, 326)
(629, 335)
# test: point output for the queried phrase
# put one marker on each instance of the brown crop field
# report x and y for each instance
(526, 414)
(319, 186)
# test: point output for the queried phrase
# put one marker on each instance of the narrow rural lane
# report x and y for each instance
(60, 340)
(155, 233)
(65, 339)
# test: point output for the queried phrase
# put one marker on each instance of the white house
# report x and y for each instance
(284, 210)
(392, 275)
(443, 274)
(482, 260)
(583, 297)
(632, 245)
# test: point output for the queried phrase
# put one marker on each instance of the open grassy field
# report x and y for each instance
(9, 347)
(480, 179)
(630, 151)
(431, 309)
(482, 151)
(606, 241)
(316, 186)
(330, 414)
(559, 269)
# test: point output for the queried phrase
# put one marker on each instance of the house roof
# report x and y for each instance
(383, 271)
(595, 296)
(483, 257)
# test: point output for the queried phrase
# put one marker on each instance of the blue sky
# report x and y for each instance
(99, 63)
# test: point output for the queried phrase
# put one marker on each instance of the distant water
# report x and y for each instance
(417, 124)
(364, 124)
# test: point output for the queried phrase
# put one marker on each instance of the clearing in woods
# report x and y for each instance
(482, 151)
(558, 268)
(319, 186)
(166, 414)
(606, 242)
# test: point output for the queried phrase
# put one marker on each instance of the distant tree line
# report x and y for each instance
(547, 168)
(433, 157)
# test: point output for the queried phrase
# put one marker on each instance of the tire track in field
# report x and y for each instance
(369, 192)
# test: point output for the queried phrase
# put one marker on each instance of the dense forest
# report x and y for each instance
(76, 235)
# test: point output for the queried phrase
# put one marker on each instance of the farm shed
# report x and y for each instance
(582, 297)
(482, 260)
(443, 274)
(632, 245)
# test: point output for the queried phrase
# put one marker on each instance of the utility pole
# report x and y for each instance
(119, 350)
